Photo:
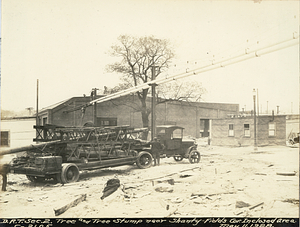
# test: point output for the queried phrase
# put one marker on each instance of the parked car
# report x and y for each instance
(171, 136)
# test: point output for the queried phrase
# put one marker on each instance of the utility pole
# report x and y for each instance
(153, 116)
(94, 96)
(37, 103)
(257, 102)
(254, 112)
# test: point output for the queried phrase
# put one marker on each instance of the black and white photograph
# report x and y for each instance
(149, 112)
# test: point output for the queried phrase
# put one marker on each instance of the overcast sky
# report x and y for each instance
(64, 44)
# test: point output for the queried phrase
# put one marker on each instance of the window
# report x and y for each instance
(45, 120)
(230, 130)
(177, 133)
(246, 130)
(271, 128)
(106, 121)
(162, 131)
(5, 138)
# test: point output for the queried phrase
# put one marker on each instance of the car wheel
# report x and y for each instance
(194, 157)
(178, 158)
(144, 160)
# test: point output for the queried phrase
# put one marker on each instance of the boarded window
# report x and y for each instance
(230, 130)
(246, 130)
(5, 138)
(271, 128)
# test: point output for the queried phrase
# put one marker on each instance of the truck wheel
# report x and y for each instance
(144, 160)
(194, 157)
(69, 173)
(35, 178)
(178, 158)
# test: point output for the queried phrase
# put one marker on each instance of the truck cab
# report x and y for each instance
(171, 136)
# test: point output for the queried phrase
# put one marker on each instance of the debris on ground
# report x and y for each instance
(287, 173)
(68, 206)
(169, 181)
(257, 205)
(172, 212)
(151, 192)
(294, 201)
(246, 212)
(132, 185)
(198, 201)
(263, 174)
(241, 204)
(185, 175)
(142, 194)
(177, 200)
(164, 188)
(12, 189)
(111, 186)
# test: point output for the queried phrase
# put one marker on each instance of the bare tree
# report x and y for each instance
(138, 55)
(189, 91)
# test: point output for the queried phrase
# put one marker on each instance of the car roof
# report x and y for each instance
(169, 127)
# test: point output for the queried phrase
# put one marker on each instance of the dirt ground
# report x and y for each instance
(228, 182)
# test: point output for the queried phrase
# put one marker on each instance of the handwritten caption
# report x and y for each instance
(222, 222)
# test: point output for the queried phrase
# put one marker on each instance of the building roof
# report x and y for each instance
(54, 105)
(206, 105)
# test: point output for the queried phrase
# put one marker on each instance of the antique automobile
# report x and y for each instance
(171, 136)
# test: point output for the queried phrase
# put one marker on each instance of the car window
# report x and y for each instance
(177, 133)
(161, 131)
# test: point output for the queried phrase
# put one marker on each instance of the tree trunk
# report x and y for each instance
(145, 122)
(145, 119)
(145, 114)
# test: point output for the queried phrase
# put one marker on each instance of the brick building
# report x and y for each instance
(239, 130)
(195, 117)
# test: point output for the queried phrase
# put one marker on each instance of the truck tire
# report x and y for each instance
(194, 157)
(69, 173)
(144, 160)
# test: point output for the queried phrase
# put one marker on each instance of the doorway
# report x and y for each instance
(204, 127)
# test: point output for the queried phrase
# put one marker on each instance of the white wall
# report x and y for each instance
(21, 132)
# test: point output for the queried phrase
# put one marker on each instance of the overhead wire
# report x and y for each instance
(242, 56)
(232, 60)
(252, 42)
